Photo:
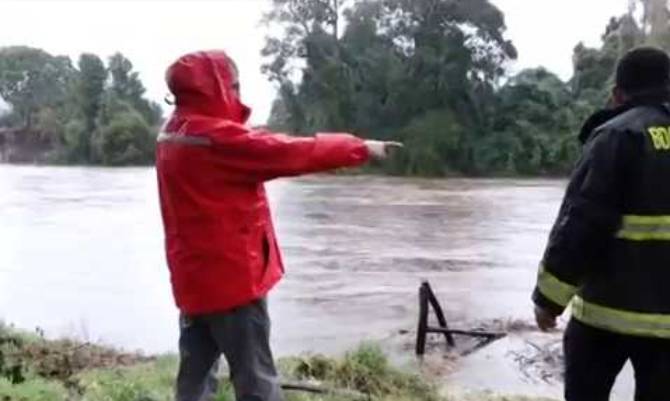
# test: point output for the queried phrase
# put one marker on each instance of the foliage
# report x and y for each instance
(31, 79)
(90, 90)
(89, 114)
(365, 370)
(434, 143)
(75, 141)
(128, 87)
(432, 73)
(127, 139)
(533, 126)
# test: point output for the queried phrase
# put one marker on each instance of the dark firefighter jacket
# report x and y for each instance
(609, 250)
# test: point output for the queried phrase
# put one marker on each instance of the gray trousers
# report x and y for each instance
(243, 337)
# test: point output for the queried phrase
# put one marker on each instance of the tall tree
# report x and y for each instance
(90, 90)
(655, 21)
(301, 20)
(533, 128)
(127, 86)
(31, 78)
(91, 87)
(394, 61)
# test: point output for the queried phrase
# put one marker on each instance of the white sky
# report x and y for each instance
(152, 33)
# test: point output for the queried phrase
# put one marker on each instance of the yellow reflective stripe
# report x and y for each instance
(646, 220)
(620, 321)
(554, 289)
(645, 228)
(641, 236)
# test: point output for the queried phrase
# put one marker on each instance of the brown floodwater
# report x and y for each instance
(81, 254)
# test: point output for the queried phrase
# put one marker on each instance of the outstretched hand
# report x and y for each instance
(382, 149)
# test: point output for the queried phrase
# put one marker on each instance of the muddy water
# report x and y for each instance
(81, 254)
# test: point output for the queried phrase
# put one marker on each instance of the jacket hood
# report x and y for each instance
(203, 84)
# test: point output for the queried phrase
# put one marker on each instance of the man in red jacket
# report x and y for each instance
(221, 246)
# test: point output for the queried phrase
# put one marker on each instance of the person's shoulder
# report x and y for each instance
(594, 121)
(629, 128)
(636, 119)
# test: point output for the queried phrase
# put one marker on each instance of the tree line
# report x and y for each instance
(432, 74)
(88, 113)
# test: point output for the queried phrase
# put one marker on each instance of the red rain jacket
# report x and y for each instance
(221, 246)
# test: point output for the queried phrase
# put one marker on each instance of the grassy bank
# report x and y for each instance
(35, 369)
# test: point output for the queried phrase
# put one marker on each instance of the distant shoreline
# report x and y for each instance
(343, 173)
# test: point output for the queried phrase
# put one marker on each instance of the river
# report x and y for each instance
(81, 254)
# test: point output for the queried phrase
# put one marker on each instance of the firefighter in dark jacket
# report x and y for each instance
(609, 250)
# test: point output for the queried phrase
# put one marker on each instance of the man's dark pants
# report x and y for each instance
(594, 358)
(243, 337)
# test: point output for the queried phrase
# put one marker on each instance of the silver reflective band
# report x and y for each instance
(183, 139)
(645, 228)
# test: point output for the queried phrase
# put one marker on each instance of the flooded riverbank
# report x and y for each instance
(82, 256)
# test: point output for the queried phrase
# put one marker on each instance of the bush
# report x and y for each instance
(76, 141)
(365, 370)
(127, 139)
(435, 144)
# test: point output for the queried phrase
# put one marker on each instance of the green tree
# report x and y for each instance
(301, 19)
(655, 18)
(127, 139)
(91, 87)
(49, 124)
(311, 36)
(90, 91)
(127, 86)
(594, 68)
(434, 145)
(75, 141)
(534, 127)
(393, 63)
(31, 79)
(78, 113)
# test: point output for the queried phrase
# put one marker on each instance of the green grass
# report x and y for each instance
(366, 371)
(146, 381)
(34, 369)
(34, 389)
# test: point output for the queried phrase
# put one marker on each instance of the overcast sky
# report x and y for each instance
(152, 33)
